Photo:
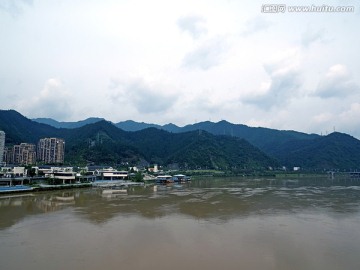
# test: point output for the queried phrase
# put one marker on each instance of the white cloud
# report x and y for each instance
(14, 7)
(146, 97)
(209, 54)
(53, 101)
(311, 36)
(226, 60)
(255, 25)
(349, 119)
(337, 82)
(195, 26)
(323, 118)
(284, 81)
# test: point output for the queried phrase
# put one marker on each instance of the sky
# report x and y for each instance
(183, 62)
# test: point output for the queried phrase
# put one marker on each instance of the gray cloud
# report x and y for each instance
(14, 7)
(193, 25)
(337, 83)
(207, 55)
(145, 97)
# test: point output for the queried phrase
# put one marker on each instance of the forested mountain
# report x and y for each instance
(104, 143)
(335, 151)
(268, 140)
(195, 146)
(196, 149)
(21, 129)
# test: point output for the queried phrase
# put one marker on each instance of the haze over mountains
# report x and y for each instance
(221, 145)
(54, 123)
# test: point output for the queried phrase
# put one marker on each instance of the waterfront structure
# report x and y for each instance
(105, 173)
(2, 146)
(58, 175)
(51, 150)
(63, 175)
(111, 174)
(164, 179)
(13, 172)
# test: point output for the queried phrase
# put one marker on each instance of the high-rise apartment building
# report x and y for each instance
(24, 154)
(2, 146)
(51, 150)
(28, 153)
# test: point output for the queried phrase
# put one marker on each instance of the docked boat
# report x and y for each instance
(181, 178)
(164, 179)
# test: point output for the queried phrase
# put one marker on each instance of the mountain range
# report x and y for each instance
(104, 143)
(265, 138)
(203, 145)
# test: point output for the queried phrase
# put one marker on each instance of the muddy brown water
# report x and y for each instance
(212, 223)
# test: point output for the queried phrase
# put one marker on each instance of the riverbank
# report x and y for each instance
(42, 187)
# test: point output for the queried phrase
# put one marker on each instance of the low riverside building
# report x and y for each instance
(12, 172)
(111, 174)
(58, 175)
(13, 176)
(102, 173)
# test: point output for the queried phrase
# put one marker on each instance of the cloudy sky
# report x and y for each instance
(182, 62)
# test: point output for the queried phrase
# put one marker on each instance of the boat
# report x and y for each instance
(164, 179)
(181, 178)
(178, 178)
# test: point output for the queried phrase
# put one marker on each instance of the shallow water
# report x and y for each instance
(213, 223)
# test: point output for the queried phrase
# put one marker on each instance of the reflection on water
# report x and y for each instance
(206, 224)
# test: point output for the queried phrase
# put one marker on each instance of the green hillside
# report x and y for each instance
(104, 143)
(21, 129)
(334, 151)
(221, 146)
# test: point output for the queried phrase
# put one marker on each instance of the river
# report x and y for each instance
(211, 223)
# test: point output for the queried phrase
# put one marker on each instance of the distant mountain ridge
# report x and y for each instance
(266, 139)
(57, 124)
(130, 125)
(211, 145)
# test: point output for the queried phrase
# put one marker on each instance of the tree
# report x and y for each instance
(139, 177)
